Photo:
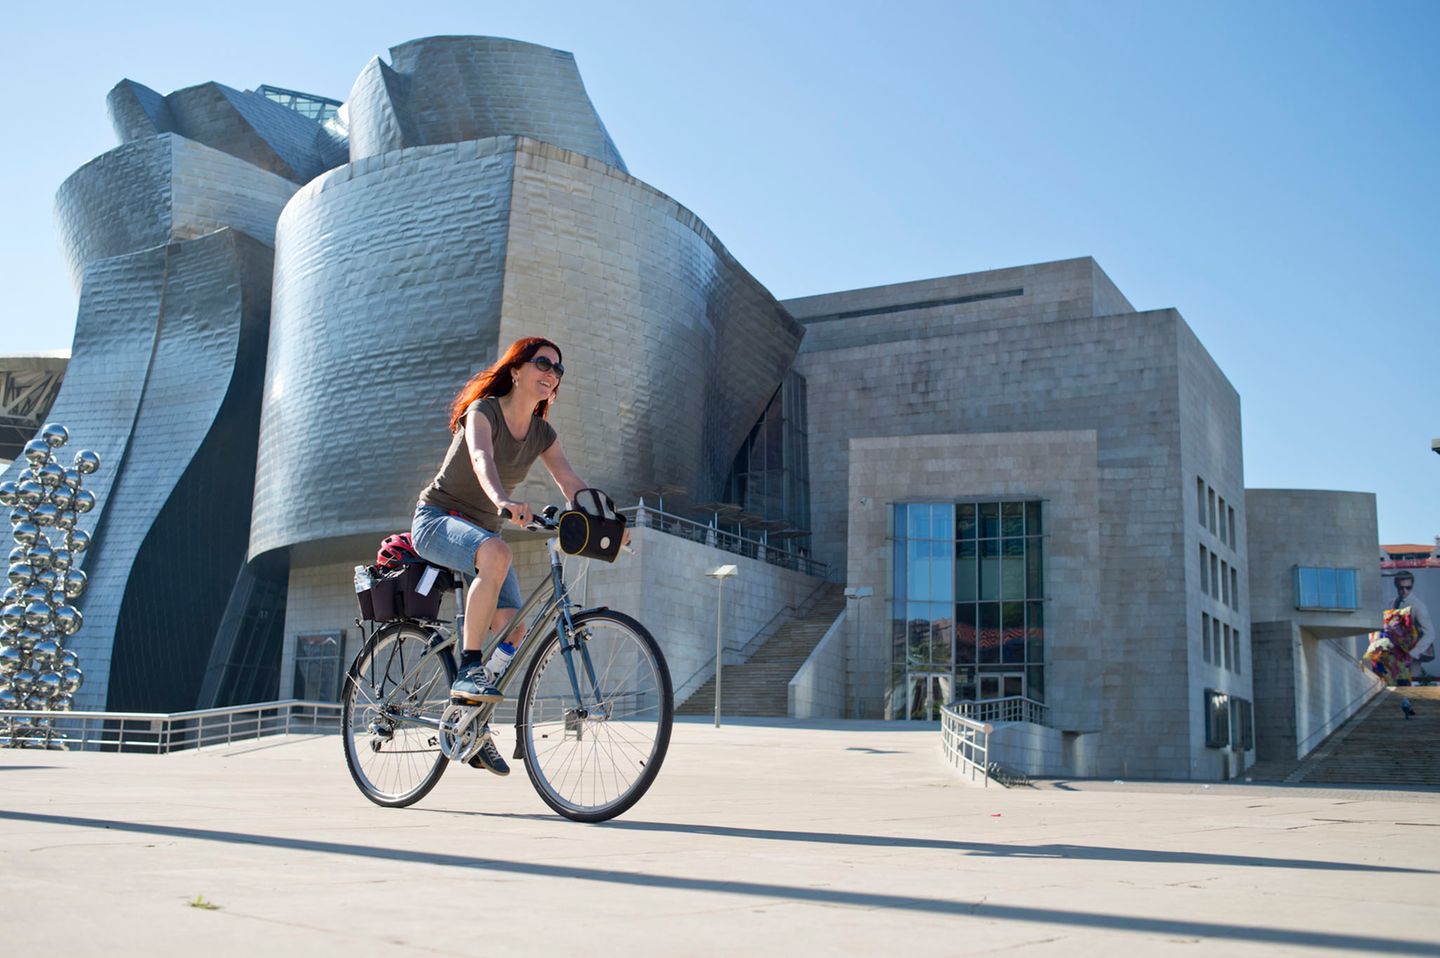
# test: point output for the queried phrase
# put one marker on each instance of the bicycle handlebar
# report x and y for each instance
(547, 520)
(543, 521)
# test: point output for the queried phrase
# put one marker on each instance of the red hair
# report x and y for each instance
(497, 380)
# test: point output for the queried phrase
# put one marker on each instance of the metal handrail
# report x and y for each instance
(752, 645)
(1009, 708)
(679, 526)
(966, 743)
(163, 732)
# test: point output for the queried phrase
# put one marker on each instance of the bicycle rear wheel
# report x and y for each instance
(594, 757)
(395, 692)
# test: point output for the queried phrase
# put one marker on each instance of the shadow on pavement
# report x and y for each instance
(823, 896)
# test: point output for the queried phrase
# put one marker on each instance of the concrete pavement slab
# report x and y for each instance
(770, 838)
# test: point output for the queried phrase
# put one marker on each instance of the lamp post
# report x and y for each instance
(719, 574)
(858, 593)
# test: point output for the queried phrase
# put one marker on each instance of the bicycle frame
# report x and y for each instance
(552, 599)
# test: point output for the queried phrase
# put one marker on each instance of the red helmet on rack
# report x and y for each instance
(395, 551)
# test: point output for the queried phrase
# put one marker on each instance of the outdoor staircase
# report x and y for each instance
(1379, 746)
(760, 687)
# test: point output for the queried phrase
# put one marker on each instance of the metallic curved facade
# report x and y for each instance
(398, 276)
(453, 89)
(477, 198)
(169, 238)
(244, 124)
(153, 191)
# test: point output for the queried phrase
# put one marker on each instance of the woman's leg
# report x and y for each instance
(492, 565)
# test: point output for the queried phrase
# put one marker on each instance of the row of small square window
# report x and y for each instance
(1221, 643)
(1214, 513)
(1218, 579)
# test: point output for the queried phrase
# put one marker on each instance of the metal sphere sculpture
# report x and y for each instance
(38, 614)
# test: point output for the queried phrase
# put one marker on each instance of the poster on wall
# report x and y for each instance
(1418, 589)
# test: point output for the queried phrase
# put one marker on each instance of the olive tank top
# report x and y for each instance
(456, 488)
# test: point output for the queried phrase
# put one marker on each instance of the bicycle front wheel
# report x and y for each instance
(591, 756)
(395, 693)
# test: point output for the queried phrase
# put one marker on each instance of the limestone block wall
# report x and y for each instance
(818, 689)
(1311, 527)
(1212, 463)
(1037, 349)
(1329, 688)
(1059, 468)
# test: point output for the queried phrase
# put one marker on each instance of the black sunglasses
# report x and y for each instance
(545, 365)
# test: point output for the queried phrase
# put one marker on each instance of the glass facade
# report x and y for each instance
(967, 601)
(770, 474)
(317, 108)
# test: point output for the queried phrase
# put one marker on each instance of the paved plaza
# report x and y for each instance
(768, 838)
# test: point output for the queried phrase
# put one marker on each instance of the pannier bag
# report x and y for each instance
(413, 591)
(591, 527)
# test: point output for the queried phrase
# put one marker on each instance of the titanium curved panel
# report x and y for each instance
(254, 129)
(471, 88)
(149, 192)
(673, 348)
(136, 111)
(211, 292)
(386, 297)
(378, 97)
(383, 309)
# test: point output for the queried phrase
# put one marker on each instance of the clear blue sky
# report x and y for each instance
(1269, 169)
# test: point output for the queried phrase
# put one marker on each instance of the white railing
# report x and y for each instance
(1011, 708)
(717, 538)
(966, 743)
(161, 732)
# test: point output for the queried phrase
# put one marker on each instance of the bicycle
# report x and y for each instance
(592, 720)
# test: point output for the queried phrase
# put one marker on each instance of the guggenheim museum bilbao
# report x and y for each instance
(1008, 489)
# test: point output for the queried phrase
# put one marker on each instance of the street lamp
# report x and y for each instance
(719, 574)
(857, 593)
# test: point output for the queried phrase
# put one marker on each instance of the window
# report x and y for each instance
(1222, 520)
(1235, 637)
(1210, 504)
(1214, 576)
(1225, 582)
(1204, 570)
(1242, 725)
(1230, 521)
(968, 618)
(1326, 589)
(1217, 718)
(1200, 499)
(318, 666)
(1205, 634)
(1215, 641)
(1234, 589)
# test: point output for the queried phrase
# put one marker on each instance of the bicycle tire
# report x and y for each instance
(396, 762)
(620, 746)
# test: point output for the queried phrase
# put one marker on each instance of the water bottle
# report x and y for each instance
(362, 579)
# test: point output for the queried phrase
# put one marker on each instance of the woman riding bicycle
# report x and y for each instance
(499, 428)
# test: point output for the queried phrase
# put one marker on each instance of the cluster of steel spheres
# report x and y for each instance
(37, 672)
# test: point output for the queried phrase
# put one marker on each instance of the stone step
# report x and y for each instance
(760, 687)
(1380, 746)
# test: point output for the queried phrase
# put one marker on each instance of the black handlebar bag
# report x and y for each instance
(591, 527)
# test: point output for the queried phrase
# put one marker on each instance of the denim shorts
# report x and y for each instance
(450, 541)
